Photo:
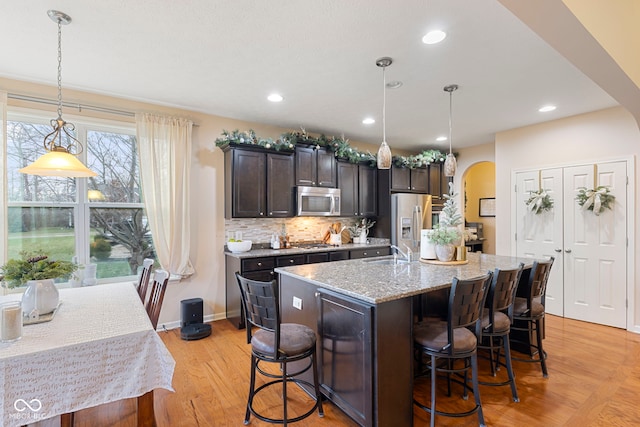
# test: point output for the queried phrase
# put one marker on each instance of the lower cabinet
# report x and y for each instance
(344, 357)
(359, 350)
(367, 253)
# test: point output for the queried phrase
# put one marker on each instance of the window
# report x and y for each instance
(97, 220)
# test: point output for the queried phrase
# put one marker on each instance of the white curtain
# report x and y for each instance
(3, 177)
(164, 144)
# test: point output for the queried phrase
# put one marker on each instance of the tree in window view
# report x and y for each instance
(43, 210)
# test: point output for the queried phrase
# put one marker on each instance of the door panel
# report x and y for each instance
(595, 247)
(540, 235)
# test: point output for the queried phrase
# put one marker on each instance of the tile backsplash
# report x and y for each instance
(259, 230)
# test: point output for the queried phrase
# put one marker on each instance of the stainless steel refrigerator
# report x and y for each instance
(410, 213)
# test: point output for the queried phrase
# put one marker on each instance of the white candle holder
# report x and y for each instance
(10, 321)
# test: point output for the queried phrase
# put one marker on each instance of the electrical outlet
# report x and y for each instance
(297, 303)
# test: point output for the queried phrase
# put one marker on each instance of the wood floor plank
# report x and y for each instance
(594, 380)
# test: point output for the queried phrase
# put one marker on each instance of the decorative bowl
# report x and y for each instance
(241, 246)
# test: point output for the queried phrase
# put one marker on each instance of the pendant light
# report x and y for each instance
(60, 159)
(450, 164)
(384, 152)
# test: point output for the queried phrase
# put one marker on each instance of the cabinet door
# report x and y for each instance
(367, 191)
(280, 185)
(317, 257)
(326, 168)
(420, 180)
(248, 188)
(306, 166)
(438, 183)
(345, 354)
(400, 179)
(348, 184)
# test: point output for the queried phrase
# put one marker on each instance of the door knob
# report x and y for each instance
(558, 250)
(568, 251)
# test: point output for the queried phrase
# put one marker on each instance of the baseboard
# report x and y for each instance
(166, 326)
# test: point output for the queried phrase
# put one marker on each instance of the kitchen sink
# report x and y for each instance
(387, 261)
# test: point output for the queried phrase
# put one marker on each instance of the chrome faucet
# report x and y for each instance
(407, 256)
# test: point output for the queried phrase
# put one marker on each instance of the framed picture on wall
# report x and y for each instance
(488, 206)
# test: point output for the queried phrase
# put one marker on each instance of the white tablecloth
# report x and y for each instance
(99, 348)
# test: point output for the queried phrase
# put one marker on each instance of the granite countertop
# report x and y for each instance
(255, 253)
(375, 282)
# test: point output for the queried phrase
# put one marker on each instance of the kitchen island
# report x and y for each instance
(363, 313)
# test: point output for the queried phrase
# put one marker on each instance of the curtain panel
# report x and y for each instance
(164, 144)
(3, 178)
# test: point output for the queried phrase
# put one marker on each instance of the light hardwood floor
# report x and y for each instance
(594, 380)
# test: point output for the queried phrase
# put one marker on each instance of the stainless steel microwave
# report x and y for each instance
(318, 201)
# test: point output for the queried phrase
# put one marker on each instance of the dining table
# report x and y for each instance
(98, 348)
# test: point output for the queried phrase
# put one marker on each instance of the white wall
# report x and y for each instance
(608, 134)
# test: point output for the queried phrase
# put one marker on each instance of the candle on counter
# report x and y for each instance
(11, 321)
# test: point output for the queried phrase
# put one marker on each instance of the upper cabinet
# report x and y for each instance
(358, 189)
(258, 184)
(410, 180)
(315, 167)
(438, 183)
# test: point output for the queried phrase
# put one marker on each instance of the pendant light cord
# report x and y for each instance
(59, 68)
(384, 104)
(450, 114)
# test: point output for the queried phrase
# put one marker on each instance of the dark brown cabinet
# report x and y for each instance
(410, 180)
(258, 184)
(315, 167)
(438, 183)
(358, 189)
(368, 253)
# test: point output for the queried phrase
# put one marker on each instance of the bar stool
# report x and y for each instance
(497, 317)
(451, 340)
(529, 311)
(276, 342)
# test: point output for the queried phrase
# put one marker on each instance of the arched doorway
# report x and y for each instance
(479, 191)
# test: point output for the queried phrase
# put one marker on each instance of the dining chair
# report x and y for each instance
(158, 288)
(497, 317)
(143, 280)
(277, 343)
(452, 340)
(528, 312)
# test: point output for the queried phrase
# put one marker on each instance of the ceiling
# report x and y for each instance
(225, 57)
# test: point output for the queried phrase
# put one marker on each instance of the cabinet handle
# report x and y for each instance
(568, 251)
(313, 182)
(259, 264)
(320, 183)
(558, 250)
(364, 253)
(291, 261)
(317, 294)
(270, 213)
(261, 213)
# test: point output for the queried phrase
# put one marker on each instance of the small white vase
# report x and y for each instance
(40, 294)
(445, 252)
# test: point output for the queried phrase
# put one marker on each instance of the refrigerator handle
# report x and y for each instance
(416, 225)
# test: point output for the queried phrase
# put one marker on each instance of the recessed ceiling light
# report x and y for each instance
(547, 108)
(394, 84)
(368, 121)
(274, 97)
(441, 138)
(433, 37)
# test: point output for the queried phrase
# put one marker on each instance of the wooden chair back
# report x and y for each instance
(158, 288)
(145, 275)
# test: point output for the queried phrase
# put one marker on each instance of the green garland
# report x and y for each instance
(339, 146)
(596, 200)
(539, 201)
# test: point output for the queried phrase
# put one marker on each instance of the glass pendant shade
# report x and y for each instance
(58, 163)
(450, 165)
(384, 156)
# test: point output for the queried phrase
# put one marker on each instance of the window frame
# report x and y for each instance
(82, 205)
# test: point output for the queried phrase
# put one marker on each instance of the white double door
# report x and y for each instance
(588, 279)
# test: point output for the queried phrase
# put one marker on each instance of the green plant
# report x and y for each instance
(34, 266)
(444, 235)
(100, 248)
